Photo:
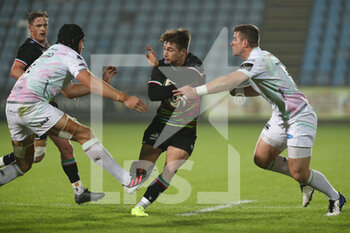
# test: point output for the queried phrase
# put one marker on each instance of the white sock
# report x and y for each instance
(319, 182)
(144, 203)
(8, 173)
(99, 155)
(280, 165)
(78, 187)
(2, 162)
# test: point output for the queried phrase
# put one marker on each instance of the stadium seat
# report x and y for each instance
(327, 48)
(118, 26)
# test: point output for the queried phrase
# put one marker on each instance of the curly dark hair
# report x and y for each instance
(70, 35)
(180, 37)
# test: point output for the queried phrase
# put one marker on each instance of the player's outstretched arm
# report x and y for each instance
(75, 90)
(102, 88)
(221, 83)
(247, 91)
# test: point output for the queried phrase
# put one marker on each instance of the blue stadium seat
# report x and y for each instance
(6, 10)
(329, 25)
(339, 76)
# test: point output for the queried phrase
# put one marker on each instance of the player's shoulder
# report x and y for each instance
(193, 60)
(65, 52)
(29, 45)
(255, 58)
(194, 63)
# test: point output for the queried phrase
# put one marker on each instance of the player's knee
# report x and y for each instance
(25, 165)
(70, 129)
(299, 176)
(83, 135)
(260, 162)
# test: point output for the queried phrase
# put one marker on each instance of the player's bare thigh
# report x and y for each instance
(68, 128)
(264, 153)
(175, 157)
(148, 153)
(24, 152)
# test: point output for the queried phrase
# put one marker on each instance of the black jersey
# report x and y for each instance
(29, 51)
(166, 78)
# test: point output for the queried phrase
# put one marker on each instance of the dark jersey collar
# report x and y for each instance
(31, 40)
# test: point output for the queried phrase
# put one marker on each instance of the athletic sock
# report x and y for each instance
(99, 155)
(280, 165)
(7, 159)
(71, 169)
(78, 187)
(319, 182)
(144, 202)
(155, 189)
(8, 173)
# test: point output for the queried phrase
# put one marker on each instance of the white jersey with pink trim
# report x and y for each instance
(269, 77)
(48, 75)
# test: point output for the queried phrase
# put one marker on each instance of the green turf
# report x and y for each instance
(42, 200)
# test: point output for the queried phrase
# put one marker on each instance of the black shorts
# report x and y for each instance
(161, 136)
(44, 136)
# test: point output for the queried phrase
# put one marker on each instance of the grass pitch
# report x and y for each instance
(43, 201)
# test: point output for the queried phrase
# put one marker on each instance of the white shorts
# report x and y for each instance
(299, 131)
(26, 118)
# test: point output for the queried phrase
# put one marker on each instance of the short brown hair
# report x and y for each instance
(180, 37)
(249, 32)
(36, 14)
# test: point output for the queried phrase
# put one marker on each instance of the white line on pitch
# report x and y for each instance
(214, 208)
(36, 204)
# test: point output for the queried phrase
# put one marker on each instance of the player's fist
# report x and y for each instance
(136, 104)
(108, 73)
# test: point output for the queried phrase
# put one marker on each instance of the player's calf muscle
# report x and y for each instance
(82, 134)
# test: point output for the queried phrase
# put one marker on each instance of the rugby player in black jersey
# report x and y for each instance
(173, 129)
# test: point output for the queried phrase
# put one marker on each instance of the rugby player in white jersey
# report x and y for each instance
(28, 110)
(32, 48)
(293, 122)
